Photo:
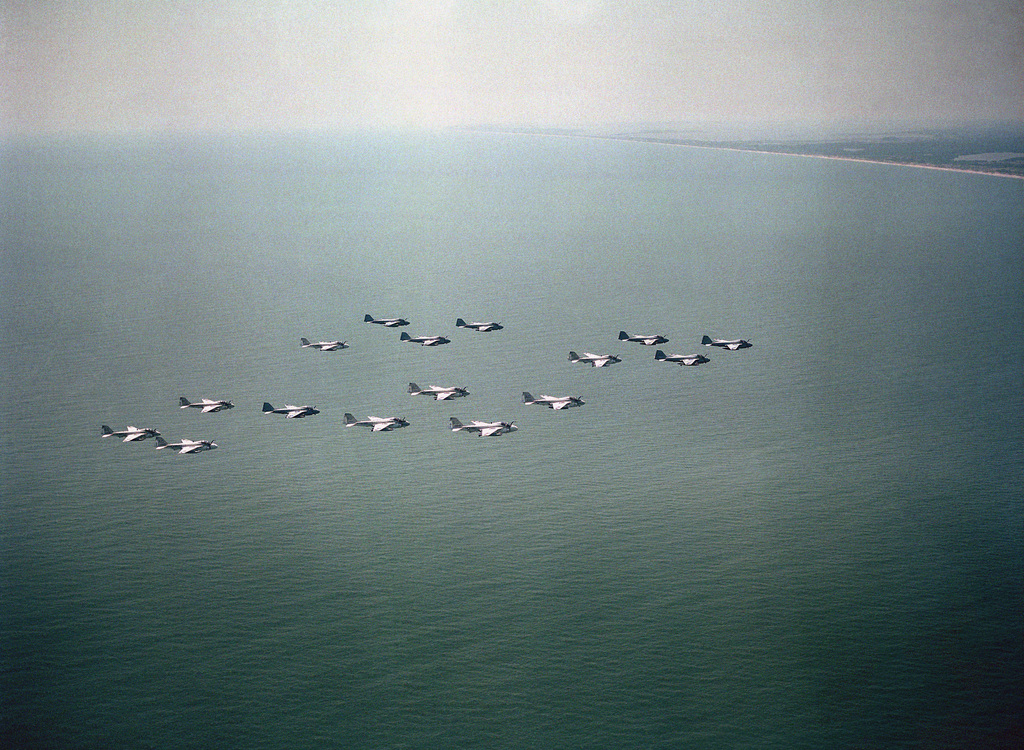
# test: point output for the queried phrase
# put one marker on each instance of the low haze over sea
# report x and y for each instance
(814, 542)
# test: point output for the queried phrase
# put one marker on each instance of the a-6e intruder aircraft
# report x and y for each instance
(324, 346)
(439, 393)
(594, 360)
(186, 446)
(689, 360)
(732, 345)
(206, 405)
(424, 340)
(389, 322)
(553, 402)
(376, 424)
(459, 322)
(483, 429)
(129, 433)
(292, 412)
(645, 340)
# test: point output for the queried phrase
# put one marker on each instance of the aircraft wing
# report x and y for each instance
(560, 404)
(381, 426)
(208, 408)
(490, 430)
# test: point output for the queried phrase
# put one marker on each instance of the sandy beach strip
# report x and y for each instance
(659, 142)
(937, 167)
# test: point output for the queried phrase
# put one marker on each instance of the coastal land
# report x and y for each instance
(993, 150)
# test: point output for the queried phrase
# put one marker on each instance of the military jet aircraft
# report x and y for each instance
(389, 322)
(594, 360)
(645, 340)
(324, 346)
(553, 402)
(690, 360)
(483, 429)
(206, 405)
(725, 344)
(129, 433)
(376, 424)
(479, 326)
(439, 393)
(424, 340)
(291, 412)
(186, 446)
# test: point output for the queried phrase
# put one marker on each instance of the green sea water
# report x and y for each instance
(814, 542)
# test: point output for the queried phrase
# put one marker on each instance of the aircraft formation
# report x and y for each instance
(438, 393)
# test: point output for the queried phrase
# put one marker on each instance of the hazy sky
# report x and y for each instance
(99, 65)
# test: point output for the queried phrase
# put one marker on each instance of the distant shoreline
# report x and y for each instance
(752, 150)
(938, 167)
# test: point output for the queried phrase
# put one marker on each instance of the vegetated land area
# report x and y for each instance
(996, 149)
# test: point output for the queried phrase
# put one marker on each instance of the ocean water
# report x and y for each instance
(814, 542)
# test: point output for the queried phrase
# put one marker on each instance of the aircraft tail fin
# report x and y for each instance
(574, 357)
(349, 420)
(456, 424)
(413, 388)
(460, 322)
(706, 340)
(267, 407)
(367, 318)
(106, 431)
(183, 401)
(404, 337)
(527, 398)
(160, 442)
(304, 341)
(659, 355)
(623, 335)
